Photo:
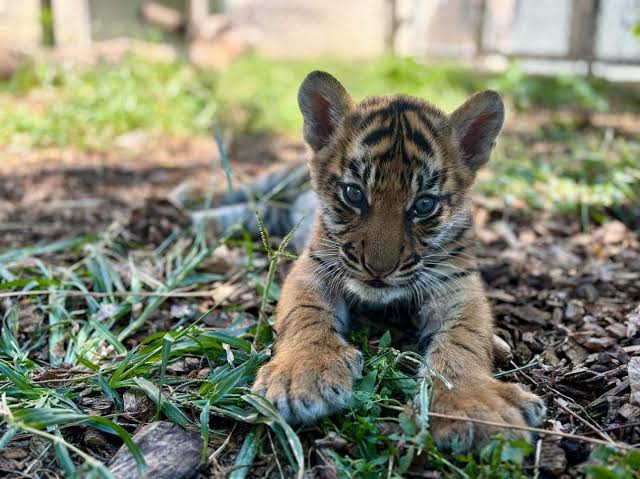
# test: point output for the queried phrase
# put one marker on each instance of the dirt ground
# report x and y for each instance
(566, 300)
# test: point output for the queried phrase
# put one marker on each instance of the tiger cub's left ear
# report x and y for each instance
(323, 102)
(477, 124)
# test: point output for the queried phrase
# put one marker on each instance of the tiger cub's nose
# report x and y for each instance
(380, 269)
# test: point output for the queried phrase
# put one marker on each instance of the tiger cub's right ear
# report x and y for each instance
(323, 102)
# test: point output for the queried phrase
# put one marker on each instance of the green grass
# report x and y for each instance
(591, 174)
(112, 352)
(47, 105)
(587, 176)
(56, 106)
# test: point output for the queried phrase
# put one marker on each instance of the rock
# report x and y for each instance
(576, 452)
(169, 451)
(531, 314)
(598, 344)
(552, 459)
(630, 412)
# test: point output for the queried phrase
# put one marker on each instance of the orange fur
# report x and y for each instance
(393, 176)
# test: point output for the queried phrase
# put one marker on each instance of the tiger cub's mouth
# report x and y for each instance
(377, 283)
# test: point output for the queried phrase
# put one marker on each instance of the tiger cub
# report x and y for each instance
(393, 176)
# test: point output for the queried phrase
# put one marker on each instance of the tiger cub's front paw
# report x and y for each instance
(308, 385)
(488, 400)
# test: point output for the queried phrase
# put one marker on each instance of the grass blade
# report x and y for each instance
(173, 412)
(7, 436)
(167, 342)
(273, 418)
(204, 430)
(63, 457)
(247, 453)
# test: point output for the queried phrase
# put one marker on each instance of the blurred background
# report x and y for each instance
(124, 123)
(141, 84)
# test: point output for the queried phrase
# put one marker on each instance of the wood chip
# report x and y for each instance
(634, 380)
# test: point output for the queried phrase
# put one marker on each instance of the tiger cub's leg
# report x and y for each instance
(457, 341)
(312, 372)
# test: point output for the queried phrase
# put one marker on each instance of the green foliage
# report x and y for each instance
(588, 174)
(526, 91)
(63, 106)
(611, 464)
(90, 108)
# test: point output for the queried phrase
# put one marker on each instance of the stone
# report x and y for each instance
(169, 451)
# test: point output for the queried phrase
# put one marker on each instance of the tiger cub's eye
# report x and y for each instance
(353, 194)
(424, 206)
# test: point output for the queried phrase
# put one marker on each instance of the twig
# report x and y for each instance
(222, 447)
(534, 429)
(504, 425)
(516, 369)
(275, 454)
(536, 465)
(599, 432)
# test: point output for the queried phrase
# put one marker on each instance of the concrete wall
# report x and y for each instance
(20, 23)
(315, 28)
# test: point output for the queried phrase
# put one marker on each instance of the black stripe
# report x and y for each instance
(430, 182)
(465, 347)
(316, 258)
(413, 260)
(430, 219)
(352, 257)
(376, 136)
(457, 251)
(355, 171)
(468, 328)
(457, 275)
(459, 234)
(442, 178)
(404, 105)
(367, 173)
(425, 341)
(378, 174)
(420, 141)
(304, 305)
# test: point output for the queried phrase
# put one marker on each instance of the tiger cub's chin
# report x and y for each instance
(376, 295)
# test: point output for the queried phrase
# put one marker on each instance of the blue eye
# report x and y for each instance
(424, 206)
(353, 194)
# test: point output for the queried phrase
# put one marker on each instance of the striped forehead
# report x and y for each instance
(396, 138)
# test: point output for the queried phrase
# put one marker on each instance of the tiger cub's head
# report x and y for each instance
(393, 175)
